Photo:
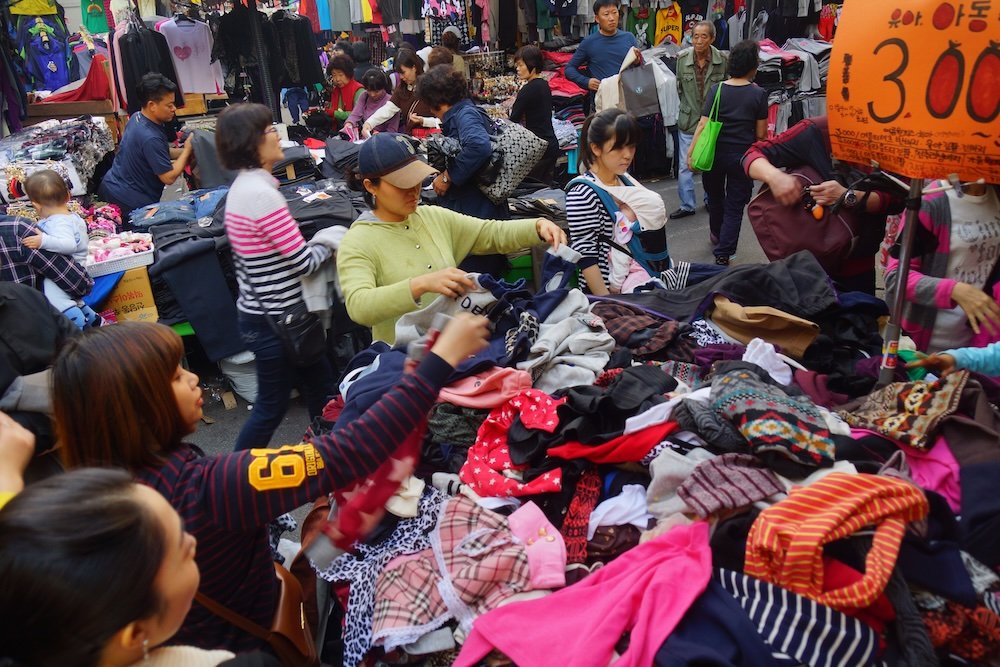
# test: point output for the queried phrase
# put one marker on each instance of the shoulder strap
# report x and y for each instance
(602, 194)
(714, 114)
(267, 317)
(227, 614)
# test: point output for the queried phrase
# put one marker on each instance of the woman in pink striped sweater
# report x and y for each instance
(271, 258)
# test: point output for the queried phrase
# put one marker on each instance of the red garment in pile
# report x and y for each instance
(628, 448)
(489, 457)
(361, 504)
(563, 87)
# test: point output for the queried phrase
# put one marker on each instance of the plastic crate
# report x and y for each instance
(120, 264)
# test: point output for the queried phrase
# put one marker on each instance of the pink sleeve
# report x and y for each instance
(920, 288)
(280, 229)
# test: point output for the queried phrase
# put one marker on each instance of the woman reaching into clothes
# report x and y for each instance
(140, 406)
(397, 257)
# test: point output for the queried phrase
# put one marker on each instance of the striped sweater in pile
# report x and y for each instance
(785, 544)
(269, 248)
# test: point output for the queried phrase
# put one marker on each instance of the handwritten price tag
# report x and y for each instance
(915, 85)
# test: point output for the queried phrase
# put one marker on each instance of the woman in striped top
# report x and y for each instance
(141, 406)
(606, 151)
(271, 258)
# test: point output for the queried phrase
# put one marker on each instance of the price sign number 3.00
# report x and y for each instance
(919, 109)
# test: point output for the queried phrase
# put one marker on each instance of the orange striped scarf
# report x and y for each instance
(785, 544)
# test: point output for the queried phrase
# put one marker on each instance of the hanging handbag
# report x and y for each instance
(703, 153)
(442, 151)
(639, 90)
(289, 635)
(784, 230)
(300, 331)
(521, 150)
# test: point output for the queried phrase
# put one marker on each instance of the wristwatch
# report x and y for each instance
(850, 198)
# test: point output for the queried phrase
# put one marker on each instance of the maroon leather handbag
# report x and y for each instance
(784, 230)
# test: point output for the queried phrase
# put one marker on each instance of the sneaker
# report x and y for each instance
(681, 213)
(722, 260)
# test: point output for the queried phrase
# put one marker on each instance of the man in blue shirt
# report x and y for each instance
(601, 52)
(145, 161)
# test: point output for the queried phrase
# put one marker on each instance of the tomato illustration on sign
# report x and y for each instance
(945, 82)
(983, 102)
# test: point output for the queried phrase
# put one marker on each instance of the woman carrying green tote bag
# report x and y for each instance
(732, 119)
(703, 145)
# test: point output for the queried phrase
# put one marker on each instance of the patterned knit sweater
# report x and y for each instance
(271, 253)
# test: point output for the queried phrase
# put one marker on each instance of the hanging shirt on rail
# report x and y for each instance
(190, 45)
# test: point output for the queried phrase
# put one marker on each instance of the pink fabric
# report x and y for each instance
(936, 470)
(544, 545)
(484, 29)
(637, 276)
(486, 390)
(770, 48)
(647, 591)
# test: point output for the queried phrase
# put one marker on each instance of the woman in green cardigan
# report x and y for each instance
(397, 257)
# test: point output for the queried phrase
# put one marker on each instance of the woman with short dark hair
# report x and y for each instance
(533, 108)
(413, 116)
(743, 113)
(345, 91)
(271, 258)
(446, 93)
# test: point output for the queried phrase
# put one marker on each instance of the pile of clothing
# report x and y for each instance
(700, 475)
(80, 142)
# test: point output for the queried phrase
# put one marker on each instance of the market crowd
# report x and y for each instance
(637, 458)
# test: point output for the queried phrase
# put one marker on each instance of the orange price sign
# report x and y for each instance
(915, 85)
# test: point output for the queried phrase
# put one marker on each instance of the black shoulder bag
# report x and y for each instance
(300, 331)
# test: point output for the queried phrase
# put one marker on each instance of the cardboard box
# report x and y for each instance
(132, 299)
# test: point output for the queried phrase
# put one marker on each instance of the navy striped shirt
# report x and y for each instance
(227, 501)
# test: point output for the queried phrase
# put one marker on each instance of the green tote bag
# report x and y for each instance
(703, 154)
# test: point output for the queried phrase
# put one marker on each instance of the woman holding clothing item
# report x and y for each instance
(414, 116)
(398, 257)
(141, 407)
(743, 114)
(271, 258)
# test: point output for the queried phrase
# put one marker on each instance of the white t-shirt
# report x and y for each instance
(974, 252)
(190, 44)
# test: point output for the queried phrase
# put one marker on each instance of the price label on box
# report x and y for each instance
(132, 299)
(915, 85)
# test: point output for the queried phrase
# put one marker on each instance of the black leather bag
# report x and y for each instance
(300, 332)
